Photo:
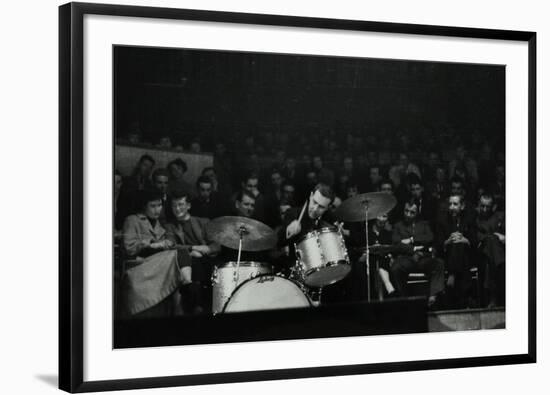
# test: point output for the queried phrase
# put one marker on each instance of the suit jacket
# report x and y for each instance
(197, 236)
(447, 224)
(420, 231)
(486, 227)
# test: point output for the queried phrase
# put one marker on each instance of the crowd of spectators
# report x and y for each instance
(454, 182)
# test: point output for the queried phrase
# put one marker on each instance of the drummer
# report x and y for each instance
(317, 215)
(298, 221)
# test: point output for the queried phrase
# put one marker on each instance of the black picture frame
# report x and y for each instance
(71, 195)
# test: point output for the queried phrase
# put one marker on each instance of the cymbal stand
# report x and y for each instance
(367, 263)
(242, 231)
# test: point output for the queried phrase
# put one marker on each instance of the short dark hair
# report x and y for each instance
(175, 194)
(325, 190)
(159, 172)
(179, 162)
(456, 179)
(413, 179)
(208, 168)
(179, 193)
(487, 195)
(146, 196)
(203, 180)
(286, 184)
(461, 197)
(242, 193)
(250, 176)
(387, 181)
(145, 157)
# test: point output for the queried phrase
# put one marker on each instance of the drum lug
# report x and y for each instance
(214, 277)
(319, 245)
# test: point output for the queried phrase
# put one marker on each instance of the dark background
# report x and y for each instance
(221, 96)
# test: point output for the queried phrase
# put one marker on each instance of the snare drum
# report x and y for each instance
(225, 279)
(322, 257)
(267, 292)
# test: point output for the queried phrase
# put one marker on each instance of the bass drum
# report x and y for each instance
(226, 278)
(267, 292)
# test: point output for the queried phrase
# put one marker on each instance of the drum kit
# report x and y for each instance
(321, 259)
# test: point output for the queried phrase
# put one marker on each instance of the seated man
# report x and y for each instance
(244, 207)
(415, 237)
(250, 184)
(490, 228)
(151, 285)
(394, 215)
(177, 169)
(426, 207)
(188, 233)
(208, 204)
(456, 237)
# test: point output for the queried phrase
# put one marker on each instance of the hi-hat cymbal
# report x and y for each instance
(256, 236)
(354, 208)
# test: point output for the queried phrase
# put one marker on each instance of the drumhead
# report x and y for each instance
(267, 292)
(314, 233)
(233, 264)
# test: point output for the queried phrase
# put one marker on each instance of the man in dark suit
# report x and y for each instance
(426, 206)
(208, 203)
(414, 238)
(456, 238)
(189, 233)
(491, 239)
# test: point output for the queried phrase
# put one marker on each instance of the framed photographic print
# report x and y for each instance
(315, 196)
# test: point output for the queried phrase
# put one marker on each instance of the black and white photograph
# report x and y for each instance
(287, 184)
(265, 197)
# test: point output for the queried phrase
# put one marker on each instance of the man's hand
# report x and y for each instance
(293, 229)
(203, 249)
(162, 245)
(157, 245)
(195, 254)
(340, 226)
(501, 237)
(458, 238)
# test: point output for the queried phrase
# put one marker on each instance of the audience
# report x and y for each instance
(458, 200)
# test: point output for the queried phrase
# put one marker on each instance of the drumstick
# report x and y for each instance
(302, 212)
(299, 218)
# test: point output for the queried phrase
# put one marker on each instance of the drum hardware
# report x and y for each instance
(314, 295)
(362, 208)
(265, 278)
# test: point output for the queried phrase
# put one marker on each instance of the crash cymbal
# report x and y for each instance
(227, 231)
(353, 209)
